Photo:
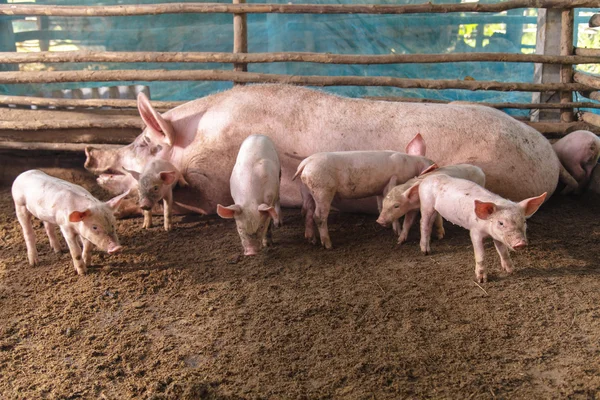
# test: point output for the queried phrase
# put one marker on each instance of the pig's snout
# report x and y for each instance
(382, 222)
(520, 244)
(114, 247)
(145, 204)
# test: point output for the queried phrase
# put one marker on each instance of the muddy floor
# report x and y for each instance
(181, 315)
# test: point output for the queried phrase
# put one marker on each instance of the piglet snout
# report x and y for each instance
(382, 222)
(114, 247)
(520, 245)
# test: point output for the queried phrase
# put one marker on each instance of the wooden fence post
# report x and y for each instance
(240, 38)
(566, 71)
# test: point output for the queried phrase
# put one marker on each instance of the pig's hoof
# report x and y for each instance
(440, 234)
(168, 228)
(481, 278)
(81, 270)
(33, 261)
(401, 239)
(327, 244)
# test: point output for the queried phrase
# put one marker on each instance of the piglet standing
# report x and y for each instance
(254, 188)
(352, 175)
(404, 199)
(155, 183)
(79, 215)
(578, 152)
(482, 212)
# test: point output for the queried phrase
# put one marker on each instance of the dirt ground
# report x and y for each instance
(181, 315)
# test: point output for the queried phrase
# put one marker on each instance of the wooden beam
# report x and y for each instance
(591, 118)
(239, 56)
(247, 77)
(580, 51)
(560, 128)
(77, 147)
(566, 71)
(592, 81)
(240, 37)
(83, 103)
(182, 8)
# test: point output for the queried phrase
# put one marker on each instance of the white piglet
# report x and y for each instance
(254, 185)
(353, 175)
(155, 183)
(578, 152)
(483, 213)
(78, 214)
(403, 200)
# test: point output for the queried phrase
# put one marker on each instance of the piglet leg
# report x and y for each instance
(75, 249)
(409, 219)
(147, 219)
(477, 240)
(167, 205)
(24, 218)
(51, 232)
(504, 256)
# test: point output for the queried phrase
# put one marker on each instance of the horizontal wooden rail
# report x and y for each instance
(592, 81)
(249, 77)
(78, 147)
(181, 8)
(219, 57)
(581, 51)
(108, 123)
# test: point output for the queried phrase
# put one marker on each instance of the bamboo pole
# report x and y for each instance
(560, 128)
(591, 118)
(167, 105)
(580, 51)
(182, 8)
(71, 147)
(83, 103)
(240, 38)
(243, 57)
(592, 81)
(248, 77)
(107, 123)
(566, 71)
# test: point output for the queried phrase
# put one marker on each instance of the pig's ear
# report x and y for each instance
(115, 201)
(483, 209)
(531, 205)
(135, 174)
(263, 208)
(168, 177)
(416, 147)
(153, 120)
(78, 216)
(429, 169)
(412, 193)
(228, 212)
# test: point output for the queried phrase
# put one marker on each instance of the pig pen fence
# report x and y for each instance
(72, 124)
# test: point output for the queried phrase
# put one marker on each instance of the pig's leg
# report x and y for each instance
(308, 211)
(87, 252)
(24, 218)
(322, 208)
(427, 219)
(71, 238)
(279, 215)
(396, 226)
(268, 237)
(504, 256)
(477, 240)
(147, 219)
(167, 205)
(409, 219)
(439, 227)
(379, 204)
(51, 232)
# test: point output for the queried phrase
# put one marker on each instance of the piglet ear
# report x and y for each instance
(532, 204)
(483, 209)
(78, 216)
(264, 208)
(412, 193)
(154, 121)
(416, 147)
(228, 212)
(135, 174)
(429, 169)
(168, 177)
(115, 201)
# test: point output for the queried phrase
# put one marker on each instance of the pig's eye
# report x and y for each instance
(95, 227)
(155, 188)
(500, 223)
(396, 205)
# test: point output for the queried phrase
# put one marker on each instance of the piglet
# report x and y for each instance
(404, 199)
(578, 152)
(254, 188)
(79, 215)
(482, 212)
(352, 175)
(155, 183)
